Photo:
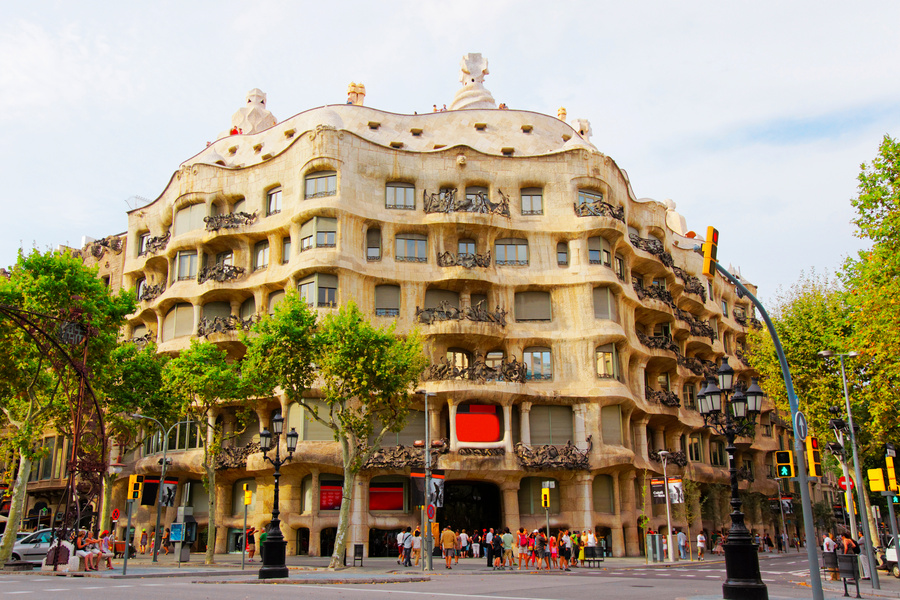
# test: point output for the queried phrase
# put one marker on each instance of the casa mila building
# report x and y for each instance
(567, 323)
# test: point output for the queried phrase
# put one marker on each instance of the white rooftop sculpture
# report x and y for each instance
(472, 69)
(253, 117)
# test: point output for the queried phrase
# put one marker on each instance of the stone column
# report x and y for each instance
(627, 440)
(582, 496)
(618, 535)
(579, 430)
(642, 437)
(659, 439)
(454, 440)
(525, 422)
(198, 311)
(510, 491)
(358, 532)
(507, 428)
(629, 513)
(434, 423)
(315, 530)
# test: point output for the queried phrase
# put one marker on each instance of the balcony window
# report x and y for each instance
(319, 290)
(659, 282)
(551, 425)
(717, 454)
(239, 206)
(662, 381)
(140, 285)
(475, 194)
(538, 364)
(607, 359)
(321, 229)
(511, 252)
(261, 255)
(562, 254)
(725, 307)
(533, 306)
(589, 197)
(273, 202)
(611, 424)
(695, 446)
(532, 201)
(411, 247)
(387, 300)
(494, 358)
(434, 298)
(285, 250)
(636, 280)
(662, 330)
(142, 242)
(466, 246)
(690, 396)
(620, 267)
(320, 184)
(248, 308)
(400, 196)
(599, 251)
(274, 299)
(605, 305)
(189, 218)
(373, 244)
(186, 265)
(179, 322)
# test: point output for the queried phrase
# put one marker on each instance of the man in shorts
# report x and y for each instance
(540, 548)
(522, 543)
(448, 543)
(507, 538)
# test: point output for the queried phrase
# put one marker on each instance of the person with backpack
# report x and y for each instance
(522, 543)
(848, 544)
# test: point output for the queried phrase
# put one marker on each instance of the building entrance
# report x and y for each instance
(470, 505)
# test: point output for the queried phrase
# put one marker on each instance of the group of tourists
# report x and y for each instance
(845, 544)
(94, 550)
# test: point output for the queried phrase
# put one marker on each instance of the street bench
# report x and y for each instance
(593, 555)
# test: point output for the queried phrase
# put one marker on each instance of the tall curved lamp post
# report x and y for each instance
(274, 547)
(730, 413)
(664, 455)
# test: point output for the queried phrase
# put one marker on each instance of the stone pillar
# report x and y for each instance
(315, 530)
(582, 508)
(642, 437)
(454, 441)
(198, 311)
(160, 320)
(627, 440)
(510, 491)
(507, 428)
(434, 421)
(358, 532)
(525, 423)
(579, 430)
(629, 513)
(659, 439)
(618, 535)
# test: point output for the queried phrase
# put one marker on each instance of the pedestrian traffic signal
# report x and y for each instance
(895, 499)
(813, 457)
(710, 250)
(876, 480)
(545, 498)
(784, 463)
(135, 487)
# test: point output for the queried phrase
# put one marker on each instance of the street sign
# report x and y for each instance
(430, 511)
(801, 428)
(876, 480)
(114, 515)
(842, 483)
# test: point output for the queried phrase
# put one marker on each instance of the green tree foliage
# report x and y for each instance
(365, 374)
(37, 386)
(202, 381)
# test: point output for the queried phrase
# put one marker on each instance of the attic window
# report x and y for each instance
(527, 128)
(266, 156)
(257, 147)
(416, 131)
(566, 137)
(374, 125)
(289, 133)
(508, 151)
(439, 146)
(396, 144)
(480, 126)
(232, 150)
(220, 163)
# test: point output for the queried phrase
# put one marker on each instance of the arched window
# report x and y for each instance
(261, 255)
(321, 183)
(604, 494)
(189, 218)
(532, 201)
(273, 201)
(211, 310)
(530, 496)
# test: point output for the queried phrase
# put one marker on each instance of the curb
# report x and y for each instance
(335, 581)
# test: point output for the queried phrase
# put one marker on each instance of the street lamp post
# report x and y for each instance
(870, 541)
(837, 450)
(427, 538)
(664, 455)
(274, 547)
(731, 418)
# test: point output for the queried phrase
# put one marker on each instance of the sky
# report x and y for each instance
(752, 117)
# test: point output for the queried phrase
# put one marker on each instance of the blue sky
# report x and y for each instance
(751, 117)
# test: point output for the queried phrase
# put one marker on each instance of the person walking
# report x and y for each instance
(863, 555)
(167, 539)
(497, 549)
(522, 542)
(564, 544)
(682, 544)
(463, 545)
(508, 541)
(828, 545)
(476, 544)
(448, 544)
(489, 547)
(143, 545)
(552, 553)
(407, 547)
(417, 546)
(701, 545)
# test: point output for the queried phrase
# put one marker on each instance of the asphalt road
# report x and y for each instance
(784, 576)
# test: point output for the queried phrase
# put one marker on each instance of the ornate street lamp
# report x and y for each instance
(733, 417)
(274, 547)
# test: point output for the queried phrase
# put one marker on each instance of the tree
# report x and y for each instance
(202, 381)
(38, 386)
(692, 507)
(365, 373)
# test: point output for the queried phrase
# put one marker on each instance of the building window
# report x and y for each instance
(511, 252)
(603, 493)
(142, 242)
(273, 201)
(717, 454)
(274, 299)
(261, 255)
(326, 232)
(388, 492)
(659, 282)
(533, 306)
(748, 466)
(248, 308)
(532, 201)
(179, 322)
(605, 306)
(709, 286)
(599, 252)
(662, 381)
(588, 197)
(562, 254)
(538, 363)
(321, 183)
(140, 285)
(725, 307)
(611, 424)
(225, 258)
(387, 300)
(550, 425)
(285, 250)
(607, 362)
(662, 330)
(690, 396)
(477, 195)
(530, 496)
(636, 280)
(466, 246)
(411, 247)
(694, 449)
(620, 267)
(186, 265)
(319, 290)
(400, 195)
(434, 298)
(189, 218)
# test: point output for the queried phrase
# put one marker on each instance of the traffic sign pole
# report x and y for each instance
(127, 534)
(890, 503)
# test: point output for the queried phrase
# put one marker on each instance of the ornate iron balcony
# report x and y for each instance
(464, 259)
(599, 208)
(447, 312)
(654, 247)
(480, 372)
(447, 202)
(219, 272)
(229, 220)
(552, 457)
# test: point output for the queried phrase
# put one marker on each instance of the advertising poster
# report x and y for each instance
(658, 493)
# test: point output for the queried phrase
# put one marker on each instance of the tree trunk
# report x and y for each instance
(106, 500)
(340, 539)
(211, 531)
(16, 507)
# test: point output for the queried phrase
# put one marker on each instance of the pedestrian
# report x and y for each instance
(769, 544)
(701, 545)
(682, 544)
(489, 546)
(251, 542)
(507, 540)
(400, 536)
(262, 542)
(863, 555)
(143, 544)
(476, 544)
(167, 539)
(407, 547)
(463, 544)
(522, 542)
(417, 546)
(564, 543)
(448, 544)
(553, 554)
(779, 542)
(828, 545)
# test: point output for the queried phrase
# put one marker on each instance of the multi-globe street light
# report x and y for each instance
(274, 546)
(732, 412)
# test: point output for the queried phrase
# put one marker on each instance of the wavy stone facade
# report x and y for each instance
(549, 297)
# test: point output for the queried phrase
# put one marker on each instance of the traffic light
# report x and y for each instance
(248, 495)
(784, 464)
(891, 473)
(813, 457)
(876, 480)
(545, 498)
(710, 249)
(895, 499)
(135, 487)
